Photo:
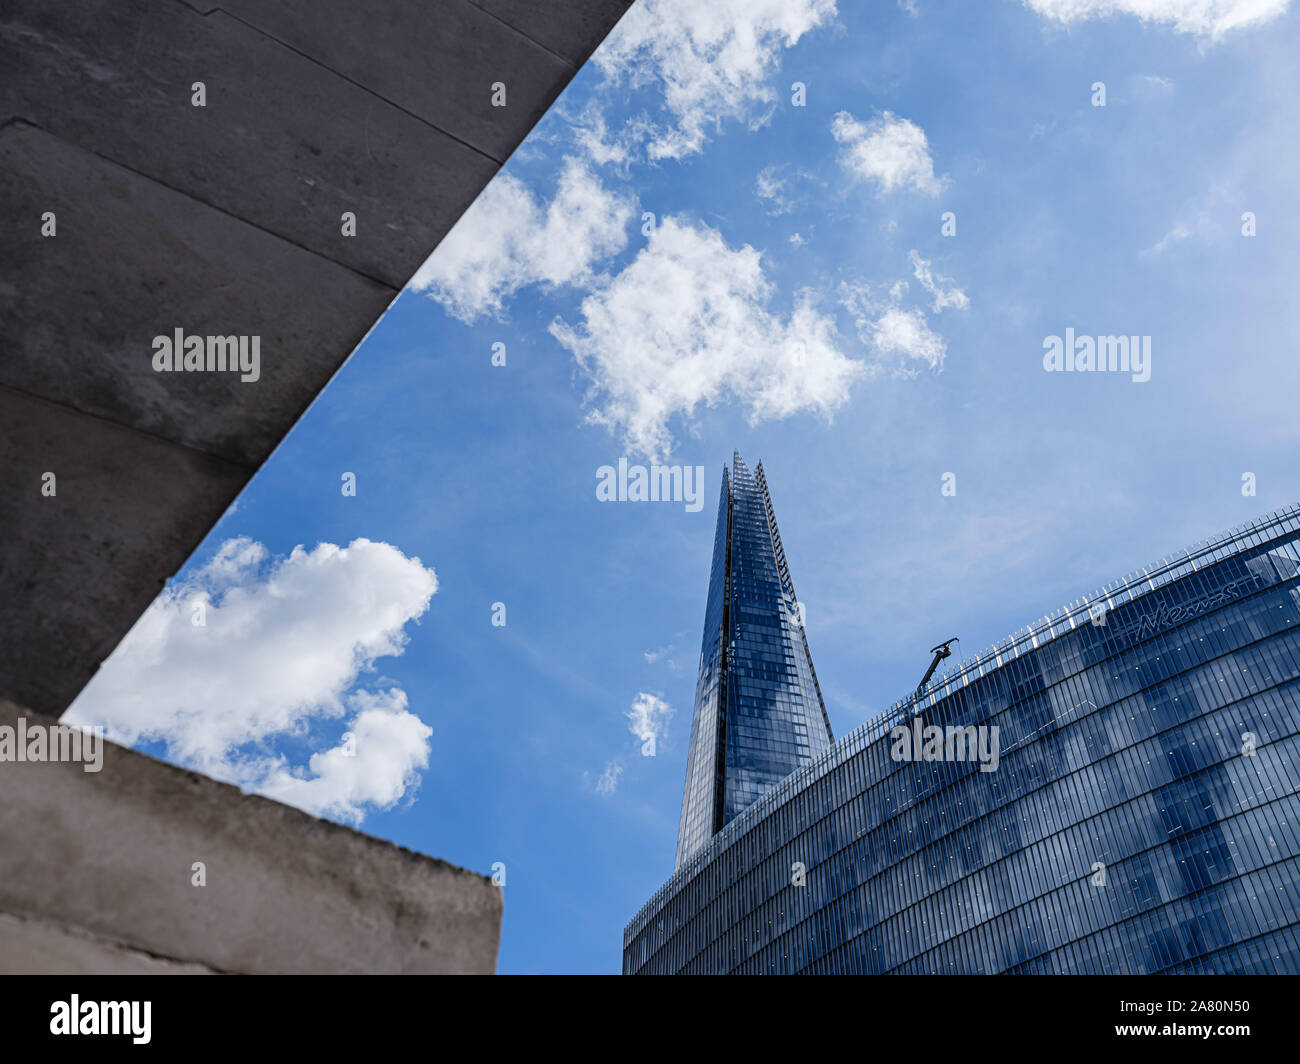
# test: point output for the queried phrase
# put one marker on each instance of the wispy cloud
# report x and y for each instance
(901, 337)
(713, 61)
(648, 721)
(1204, 18)
(771, 189)
(907, 334)
(934, 284)
(608, 782)
(1209, 216)
(649, 716)
(507, 240)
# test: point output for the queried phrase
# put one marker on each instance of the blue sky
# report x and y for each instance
(794, 296)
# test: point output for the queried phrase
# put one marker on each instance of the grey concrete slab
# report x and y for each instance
(438, 60)
(133, 260)
(112, 853)
(282, 141)
(30, 946)
(219, 221)
(78, 568)
(563, 28)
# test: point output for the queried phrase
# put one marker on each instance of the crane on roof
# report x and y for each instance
(943, 650)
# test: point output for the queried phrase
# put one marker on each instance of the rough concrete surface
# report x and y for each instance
(96, 875)
(222, 220)
(30, 946)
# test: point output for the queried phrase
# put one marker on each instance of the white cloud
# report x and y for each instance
(388, 745)
(772, 189)
(888, 150)
(608, 782)
(282, 645)
(507, 240)
(781, 189)
(233, 559)
(933, 283)
(685, 323)
(592, 137)
(901, 337)
(1180, 231)
(664, 655)
(1156, 83)
(715, 61)
(1206, 217)
(649, 717)
(1204, 18)
(906, 333)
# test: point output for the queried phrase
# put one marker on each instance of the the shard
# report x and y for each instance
(759, 713)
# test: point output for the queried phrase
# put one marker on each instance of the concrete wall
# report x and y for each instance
(96, 877)
(220, 220)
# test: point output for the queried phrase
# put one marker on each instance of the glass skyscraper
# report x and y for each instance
(759, 713)
(1143, 816)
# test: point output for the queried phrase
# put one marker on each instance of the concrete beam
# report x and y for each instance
(96, 877)
(30, 946)
(222, 220)
(75, 570)
(284, 142)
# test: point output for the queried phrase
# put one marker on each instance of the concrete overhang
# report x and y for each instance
(135, 866)
(220, 220)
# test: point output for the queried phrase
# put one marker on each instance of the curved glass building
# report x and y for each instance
(1111, 790)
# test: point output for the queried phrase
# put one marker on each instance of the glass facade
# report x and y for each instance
(1143, 816)
(759, 713)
